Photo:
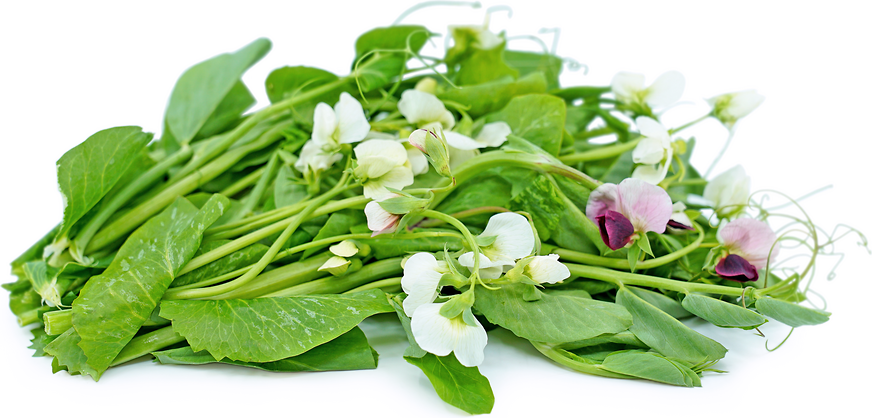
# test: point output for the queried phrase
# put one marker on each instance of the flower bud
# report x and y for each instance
(729, 192)
(434, 148)
(729, 108)
(427, 85)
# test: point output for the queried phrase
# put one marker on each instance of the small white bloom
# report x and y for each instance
(424, 110)
(514, 240)
(335, 265)
(345, 248)
(731, 107)
(343, 124)
(378, 220)
(382, 163)
(440, 335)
(729, 192)
(629, 88)
(421, 275)
(654, 151)
(462, 148)
(546, 269)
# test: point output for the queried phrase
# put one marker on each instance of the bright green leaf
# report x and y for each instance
(538, 118)
(790, 313)
(490, 97)
(651, 366)
(720, 313)
(458, 385)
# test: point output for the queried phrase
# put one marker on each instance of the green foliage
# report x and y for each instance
(287, 82)
(720, 313)
(652, 366)
(458, 385)
(558, 317)
(111, 307)
(538, 118)
(231, 262)
(349, 351)
(541, 201)
(382, 54)
(531, 62)
(790, 313)
(294, 325)
(489, 97)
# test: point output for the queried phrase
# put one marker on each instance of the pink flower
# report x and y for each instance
(749, 243)
(625, 210)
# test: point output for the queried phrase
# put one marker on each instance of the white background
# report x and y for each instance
(70, 69)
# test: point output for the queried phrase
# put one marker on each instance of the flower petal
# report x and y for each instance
(345, 248)
(729, 190)
(514, 238)
(417, 160)
(313, 158)
(462, 142)
(352, 124)
(626, 86)
(651, 174)
(744, 102)
(648, 151)
(494, 134)
(440, 335)
(650, 128)
(397, 178)
(378, 220)
(324, 125)
(421, 275)
(751, 239)
(547, 269)
(470, 342)
(647, 206)
(665, 90)
(615, 229)
(419, 107)
(604, 198)
(466, 260)
(733, 267)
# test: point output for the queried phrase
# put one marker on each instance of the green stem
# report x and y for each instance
(77, 249)
(237, 228)
(370, 272)
(265, 232)
(464, 214)
(147, 343)
(123, 225)
(624, 278)
(29, 317)
(283, 277)
(623, 264)
(600, 153)
(595, 133)
(255, 196)
(689, 124)
(57, 322)
(562, 357)
(394, 283)
(267, 258)
(242, 183)
(466, 234)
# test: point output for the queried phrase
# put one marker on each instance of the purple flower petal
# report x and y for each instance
(678, 225)
(736, 268)
(615, 229)
(751, 239)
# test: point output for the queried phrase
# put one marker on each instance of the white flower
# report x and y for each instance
(546, 269)
(344, 124)
(424, 110)
(514, 240)
(462, 148)
(382, 163)
(654, 151)
(335, 265)
(415, 156)
(345, 248)
(729, 192)
(378, 220)
(629, 88)
(421, 275)
(439, 335)
(731, 107)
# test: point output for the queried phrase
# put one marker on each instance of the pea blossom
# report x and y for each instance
(439, 335)
(378, 220)
(421, 274)
(424, 110)
(382, 163)
(654, 151)
(728, 193)
(512, 239)
(343, 124)
(749, 245)
(623, 211)
(629, 88)
(544, 269)
(730, 107)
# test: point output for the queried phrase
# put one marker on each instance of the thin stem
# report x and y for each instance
(624, 278)
(237, 228)
(600, 153)
(462, 214)
(623, 264)
(147, 343)
(255, 196)
(689, 124)
(562, 357)
(242, 183)
(466, 234)
(720, 154)
(370, 272)
(392, 283)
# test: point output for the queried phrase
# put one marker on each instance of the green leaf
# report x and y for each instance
(68, 354)
(87, 172)
(229, 111)
(538, 118)
(293, 325)
(530, 62)
(488, 189)
(558, 317)
(349, 351)
(35, 251)
(289, 189)
(458, 385)
(662, 302)
(112, 306)
(414, 350)
(541, 201)
(337, 224)
(720, 313)
(666, 334)
(202, 89)
(44, 282)
(489, 97)
(233, 261)
(287, 82)
(651, 366)
(22, 298)
(790, 313)
(482, 66)
(39, 341)
(380, 56)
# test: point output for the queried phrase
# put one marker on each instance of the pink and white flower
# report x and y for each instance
(625, 210)
(750, 245)
(378, 220)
